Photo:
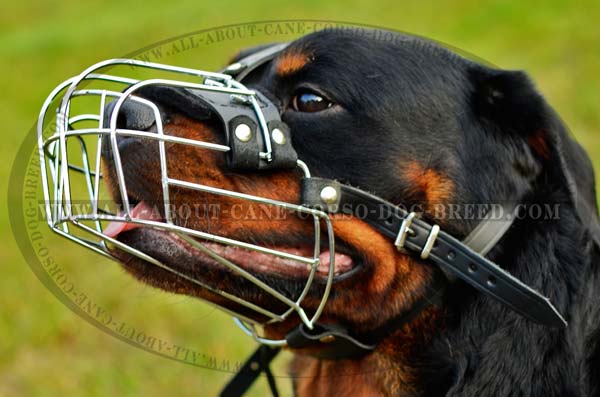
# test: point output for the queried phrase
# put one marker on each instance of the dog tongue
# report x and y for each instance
(140, 211)
(343, 263)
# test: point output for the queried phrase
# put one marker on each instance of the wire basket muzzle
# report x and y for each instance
(75, 132)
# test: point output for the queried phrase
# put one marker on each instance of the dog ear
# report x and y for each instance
(508, 102)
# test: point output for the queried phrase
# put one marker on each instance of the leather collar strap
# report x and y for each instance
(419, 237)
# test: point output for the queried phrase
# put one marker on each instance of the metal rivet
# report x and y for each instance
(254, 366)
(278, 136)
(329, 195)
(243, 132)
(239, 99)
(327, 339)
(234, 67)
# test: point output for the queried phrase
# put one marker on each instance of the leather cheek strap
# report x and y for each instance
(429, 242)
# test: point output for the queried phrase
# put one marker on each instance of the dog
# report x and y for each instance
(417, 125)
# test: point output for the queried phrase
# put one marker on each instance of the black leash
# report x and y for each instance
(256, 364)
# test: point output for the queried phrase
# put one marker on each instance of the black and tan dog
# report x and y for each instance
(415, 124)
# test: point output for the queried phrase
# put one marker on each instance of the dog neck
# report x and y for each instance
(486, 349)
(475, 346)
(385, 371)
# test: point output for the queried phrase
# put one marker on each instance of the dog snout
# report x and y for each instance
(132, 115)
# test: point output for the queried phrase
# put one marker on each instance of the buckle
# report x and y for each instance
(435, 230)
(404, 230)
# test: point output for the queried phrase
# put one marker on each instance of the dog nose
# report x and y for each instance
(132, 115)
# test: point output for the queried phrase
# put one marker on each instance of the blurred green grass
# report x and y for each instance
(45, 349)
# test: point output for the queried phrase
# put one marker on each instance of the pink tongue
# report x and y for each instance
(140, 211)
(143, 211)
(343, 263)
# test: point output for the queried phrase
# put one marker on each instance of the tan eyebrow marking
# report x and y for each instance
(291, 62)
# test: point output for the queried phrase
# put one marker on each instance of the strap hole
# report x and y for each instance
(491, 281)
(472, 268)
(451, 255)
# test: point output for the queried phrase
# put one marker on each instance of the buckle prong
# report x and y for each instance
(404, 230)
(435, 230)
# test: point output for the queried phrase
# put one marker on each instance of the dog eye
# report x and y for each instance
(310, 102)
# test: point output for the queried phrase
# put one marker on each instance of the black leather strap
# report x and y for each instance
(256, 364)
(245, 66)
(334, 342)
(244, 154)
(451, 255)
(489, 231)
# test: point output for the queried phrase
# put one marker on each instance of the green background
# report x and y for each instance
(45, 349)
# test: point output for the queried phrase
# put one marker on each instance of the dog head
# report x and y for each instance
(406, 120)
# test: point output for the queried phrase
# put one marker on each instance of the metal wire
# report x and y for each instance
(58, 179)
